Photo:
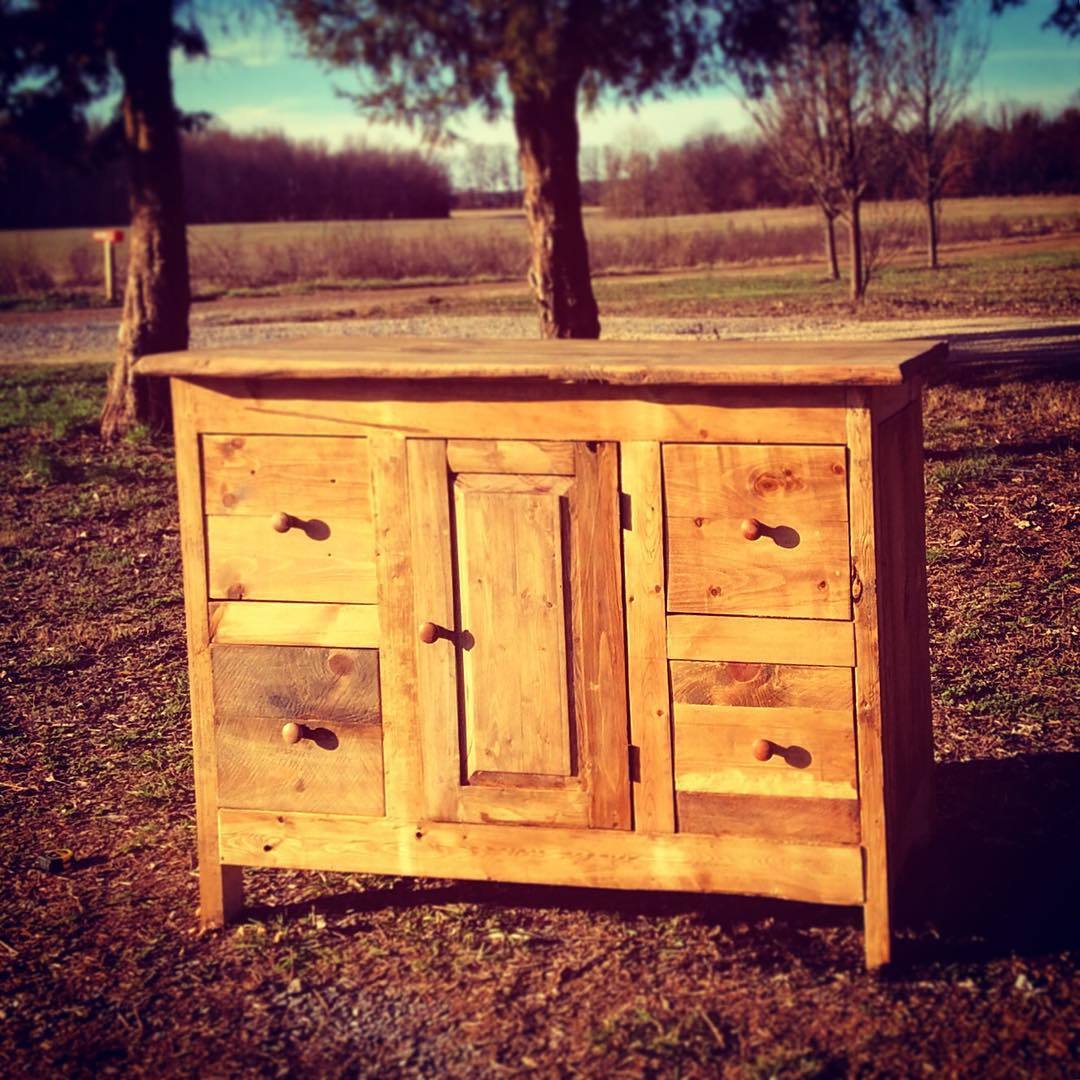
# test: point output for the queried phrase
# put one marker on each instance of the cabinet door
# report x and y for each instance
(520, 647)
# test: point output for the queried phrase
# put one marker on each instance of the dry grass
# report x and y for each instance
(102, 972)
(485, 245)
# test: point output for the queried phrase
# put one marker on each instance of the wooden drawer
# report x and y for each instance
(799, 566)
(333, 694)
(316, 489)
(727, 716)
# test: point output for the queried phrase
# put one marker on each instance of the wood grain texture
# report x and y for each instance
(308, 477)
(596, 858)
(646, 637)
(402, 762)
(639, 363)
(337, 768)
(761, 641)
(798, 570)
(599, 645)
(282, 683)
(907, 733)
(764, 686)
(774, 817)
(433, 600)
(510, 456)
(511, 409)
(513, 484)
(566, 808)
(248, 560)
(815, 751)
(510, 583)
(268, 623)
(868, 706)
(221, 894)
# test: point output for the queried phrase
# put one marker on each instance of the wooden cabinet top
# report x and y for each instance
(621, 363)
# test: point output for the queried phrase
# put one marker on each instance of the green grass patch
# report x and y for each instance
(951, 475)
(54, 399)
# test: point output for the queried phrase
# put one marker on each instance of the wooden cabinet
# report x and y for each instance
(617, 615)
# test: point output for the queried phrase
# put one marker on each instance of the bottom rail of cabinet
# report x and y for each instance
(526, 854)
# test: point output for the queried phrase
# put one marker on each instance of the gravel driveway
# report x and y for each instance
(981, 349)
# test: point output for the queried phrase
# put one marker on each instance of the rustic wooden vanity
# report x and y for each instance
(643, 615)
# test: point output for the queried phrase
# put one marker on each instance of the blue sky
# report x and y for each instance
(257, 77)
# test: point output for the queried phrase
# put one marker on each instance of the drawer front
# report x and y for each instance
(312, 477)
(747, 734)
(288, 518)
(331, 696)
(757, 530)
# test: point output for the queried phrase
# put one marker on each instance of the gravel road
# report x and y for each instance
(980, 348)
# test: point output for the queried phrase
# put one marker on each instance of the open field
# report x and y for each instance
(1017, 299)
(102, 970)
(479, 246)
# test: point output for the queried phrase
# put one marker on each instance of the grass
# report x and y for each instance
(59, 401)
(102, 971)
(480, 246)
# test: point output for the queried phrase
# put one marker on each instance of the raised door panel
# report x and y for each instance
(510, 582)
(523, 688)
(757, 530)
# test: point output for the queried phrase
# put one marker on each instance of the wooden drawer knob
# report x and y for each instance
(282, 522)
(751, 528)
(429, 633)
(763, 749)
(292, 733)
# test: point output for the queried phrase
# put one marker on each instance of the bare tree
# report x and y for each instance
(793, 118)
(831, 101)
(942, 52)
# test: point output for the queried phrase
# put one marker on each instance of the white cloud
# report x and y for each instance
(291, 116)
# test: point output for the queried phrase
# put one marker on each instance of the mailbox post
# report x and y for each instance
(110, 238)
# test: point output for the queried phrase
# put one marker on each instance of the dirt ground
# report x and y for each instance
(102, 970)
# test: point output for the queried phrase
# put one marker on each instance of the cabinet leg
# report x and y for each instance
(221, 895)
(877, 932)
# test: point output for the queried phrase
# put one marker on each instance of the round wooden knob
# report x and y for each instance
(292, 733)
(751, 528)
(429, 633)
(763, 749)
(282, 522)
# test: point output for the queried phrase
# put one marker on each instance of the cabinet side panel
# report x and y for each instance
(905, 675)
(220, 887)
(868, 704)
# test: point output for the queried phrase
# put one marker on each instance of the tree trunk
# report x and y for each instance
(157, 295)
(931, 232)
(832, 266)
(858, 282)
(547, 134)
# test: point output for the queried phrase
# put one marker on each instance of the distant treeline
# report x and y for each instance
(1021, 152)
(270, 177)
(227, 178)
